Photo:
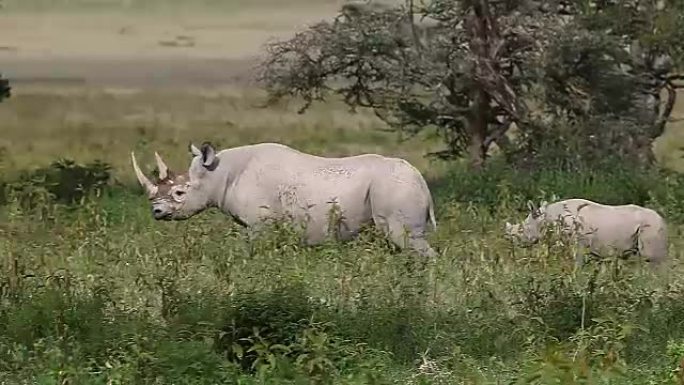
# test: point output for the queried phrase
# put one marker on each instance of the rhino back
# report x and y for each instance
(275, 179)
(606, 225)
(567, 208)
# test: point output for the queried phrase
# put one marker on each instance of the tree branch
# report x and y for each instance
(498, 133)
(665, 113)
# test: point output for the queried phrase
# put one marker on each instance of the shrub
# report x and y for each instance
(271, 319)
(63, 181)
(610, 183)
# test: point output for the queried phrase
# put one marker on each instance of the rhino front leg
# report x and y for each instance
(253, 233)
(582, 251)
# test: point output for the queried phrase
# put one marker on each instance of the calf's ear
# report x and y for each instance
(531, 206)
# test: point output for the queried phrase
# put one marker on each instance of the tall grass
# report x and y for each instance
(96, 291)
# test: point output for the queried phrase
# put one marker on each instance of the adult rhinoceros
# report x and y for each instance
(598, 227)
(255, 182)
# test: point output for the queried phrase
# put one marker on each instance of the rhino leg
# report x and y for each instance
(405, 236)
(653, 246)
(253, 232)
(401, 208)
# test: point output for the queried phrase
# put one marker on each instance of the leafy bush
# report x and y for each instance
(272, 319)
(63, 181)
(612, 182)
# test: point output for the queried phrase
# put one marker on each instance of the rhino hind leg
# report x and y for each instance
(653, 246)
(405, 236)
(401, 209)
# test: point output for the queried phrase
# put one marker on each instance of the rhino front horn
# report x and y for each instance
(149, 187)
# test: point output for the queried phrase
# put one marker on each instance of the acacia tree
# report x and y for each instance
(478, 68)
(466, 77)
(606, 70)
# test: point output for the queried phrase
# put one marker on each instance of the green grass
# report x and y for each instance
(102, 293)
(109, 124)
(97, 292)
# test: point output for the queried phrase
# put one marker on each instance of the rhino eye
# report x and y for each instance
(179, 193)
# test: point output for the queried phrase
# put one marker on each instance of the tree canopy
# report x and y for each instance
(579, 76)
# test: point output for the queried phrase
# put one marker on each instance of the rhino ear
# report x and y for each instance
(531, 206)
(194, 150)
(208, 155)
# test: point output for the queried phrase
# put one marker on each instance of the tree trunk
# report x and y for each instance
(477, 127)
(652, 112)
(476, 152)
(481, 31)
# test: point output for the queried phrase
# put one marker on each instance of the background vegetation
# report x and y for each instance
(94, 291)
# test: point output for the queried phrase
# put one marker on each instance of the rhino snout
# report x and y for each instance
(160, 212)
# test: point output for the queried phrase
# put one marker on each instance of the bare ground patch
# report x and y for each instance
(144, 50)
(130, 72)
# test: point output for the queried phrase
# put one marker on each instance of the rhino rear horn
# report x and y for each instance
(161, 166)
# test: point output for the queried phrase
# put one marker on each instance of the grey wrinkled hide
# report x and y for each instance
(599, 228)
(268, 180)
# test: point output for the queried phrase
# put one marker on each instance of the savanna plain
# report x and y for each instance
(94, 291)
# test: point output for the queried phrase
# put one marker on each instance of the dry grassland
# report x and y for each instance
(100, 84)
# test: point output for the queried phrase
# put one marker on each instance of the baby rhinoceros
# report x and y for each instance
(597, 227)
(261, 181)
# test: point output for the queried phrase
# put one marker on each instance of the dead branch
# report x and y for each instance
(665, 113)
(498, 133)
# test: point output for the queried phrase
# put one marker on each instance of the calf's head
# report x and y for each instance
(180, 196)
(530, 230)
